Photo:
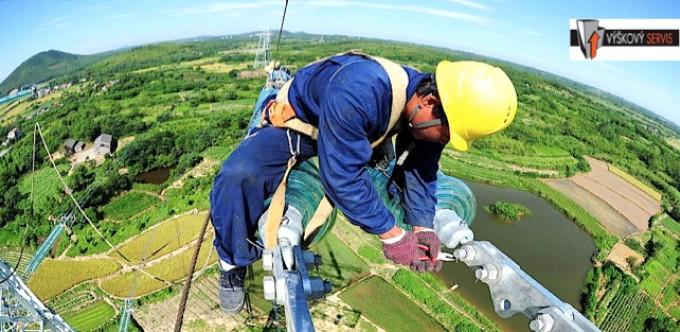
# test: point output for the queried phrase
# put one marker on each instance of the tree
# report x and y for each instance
(663, 324)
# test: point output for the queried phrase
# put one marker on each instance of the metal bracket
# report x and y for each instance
(512, 290)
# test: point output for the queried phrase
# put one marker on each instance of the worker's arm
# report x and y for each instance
(418, 179)
(348, 116)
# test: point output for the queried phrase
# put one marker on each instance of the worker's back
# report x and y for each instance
(352, 82)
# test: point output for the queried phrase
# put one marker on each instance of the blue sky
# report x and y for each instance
(533, 33)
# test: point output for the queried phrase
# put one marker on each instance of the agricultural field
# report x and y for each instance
(617, 302)
(131, 285)
(340, 264)
(57, 275)
(613, 220)
(624, 197)
(122, 208)
(383, 305)
(637, 183)
(91, 318)
(175, 268)
(674, 142)
(163, 239)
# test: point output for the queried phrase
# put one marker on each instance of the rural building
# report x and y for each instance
(104, 144)
(72, 146)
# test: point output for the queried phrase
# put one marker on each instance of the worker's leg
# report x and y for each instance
(248, 177)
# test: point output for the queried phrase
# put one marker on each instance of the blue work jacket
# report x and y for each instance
(349, 99)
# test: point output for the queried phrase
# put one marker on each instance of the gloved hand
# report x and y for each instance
(406, 252)
(429, 242)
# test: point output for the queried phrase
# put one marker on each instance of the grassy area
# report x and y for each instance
(128, 205)
(671, 224)
(219, 67)
(57, 275)
(163, 239)
(47, 186)
(635, 182)
(340, 264)
(508, 211)
(385, 306)
(90, 318)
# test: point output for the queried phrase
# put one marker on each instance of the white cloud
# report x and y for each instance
(469, 3)
(122, 15)
(56, 23)
(226, 7)
(222, 7)
(406, 8)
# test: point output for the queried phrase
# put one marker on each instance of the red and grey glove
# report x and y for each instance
(429, 242)
(406, 252)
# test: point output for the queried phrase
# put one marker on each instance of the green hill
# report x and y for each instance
(44, 66)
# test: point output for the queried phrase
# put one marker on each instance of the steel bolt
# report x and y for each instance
(542, 323)
(464, 253)
(487, 273)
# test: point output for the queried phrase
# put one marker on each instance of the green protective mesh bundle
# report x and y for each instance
(304, 192)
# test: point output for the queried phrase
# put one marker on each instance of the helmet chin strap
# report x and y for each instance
(424, 124)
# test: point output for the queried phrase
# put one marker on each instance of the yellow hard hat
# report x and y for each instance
(478, 100)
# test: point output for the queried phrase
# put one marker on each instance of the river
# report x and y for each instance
(547, 245)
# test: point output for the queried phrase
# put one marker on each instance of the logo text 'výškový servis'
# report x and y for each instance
(590, 37)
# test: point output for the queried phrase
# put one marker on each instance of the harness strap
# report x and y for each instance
(318, 219)
(278, 202)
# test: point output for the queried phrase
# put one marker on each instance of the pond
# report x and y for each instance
(155, 176)
(547, 245)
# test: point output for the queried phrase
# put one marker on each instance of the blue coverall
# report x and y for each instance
(348, 98)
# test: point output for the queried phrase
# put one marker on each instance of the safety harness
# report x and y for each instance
(279, 113)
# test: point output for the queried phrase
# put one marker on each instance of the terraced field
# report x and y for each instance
(57, 275)
(90, 318)
(637, 183)
(614, 221)
(601, 188)
(164, 238)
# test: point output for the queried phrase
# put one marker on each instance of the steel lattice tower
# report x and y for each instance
(21, 310)
(263, 52)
